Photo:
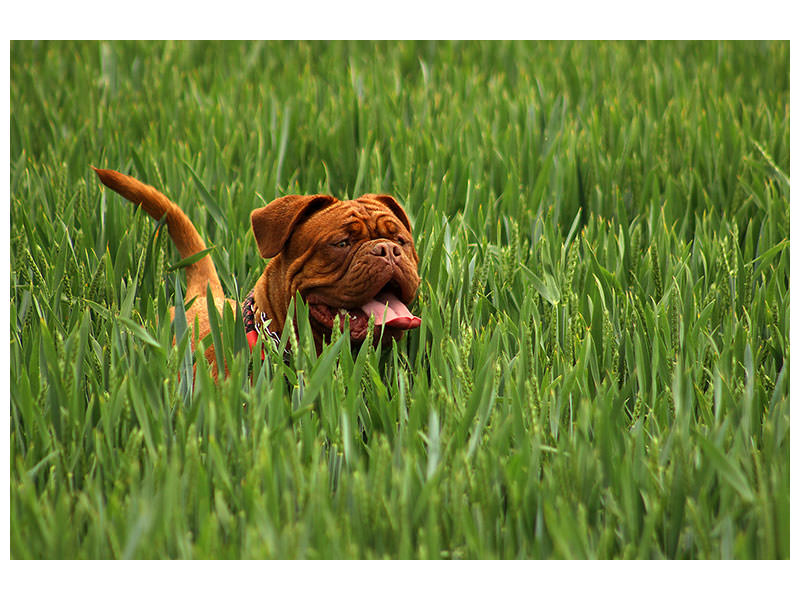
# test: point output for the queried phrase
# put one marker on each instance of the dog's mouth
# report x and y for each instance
(390, 314)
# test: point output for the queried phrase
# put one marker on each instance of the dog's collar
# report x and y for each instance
(255, 326)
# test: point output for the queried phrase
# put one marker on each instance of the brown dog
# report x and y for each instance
(353, 258)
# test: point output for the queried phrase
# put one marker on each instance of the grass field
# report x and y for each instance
(603, 365)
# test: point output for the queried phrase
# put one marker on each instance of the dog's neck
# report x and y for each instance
(264, 301)
(272, 298)
(270, 294)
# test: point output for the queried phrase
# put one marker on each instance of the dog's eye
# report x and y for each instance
(342, 243)
(401, 240)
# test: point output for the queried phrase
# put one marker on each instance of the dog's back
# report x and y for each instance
(200, 275)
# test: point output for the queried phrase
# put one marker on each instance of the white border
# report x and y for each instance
(413, 19)
(407, 19)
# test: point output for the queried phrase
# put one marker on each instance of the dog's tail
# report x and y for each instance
(183, 233)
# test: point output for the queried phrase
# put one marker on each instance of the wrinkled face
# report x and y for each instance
(355, 259)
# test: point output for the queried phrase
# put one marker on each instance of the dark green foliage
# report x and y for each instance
(603, 365)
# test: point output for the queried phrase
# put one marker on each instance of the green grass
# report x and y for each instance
(603, 365)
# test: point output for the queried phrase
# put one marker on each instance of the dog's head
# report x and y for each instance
(353, 258)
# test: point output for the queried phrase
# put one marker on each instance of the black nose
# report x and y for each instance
(388, 250)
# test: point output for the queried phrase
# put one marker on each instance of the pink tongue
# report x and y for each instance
(388, 310)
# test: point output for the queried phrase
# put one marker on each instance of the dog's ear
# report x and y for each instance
(393, 205)
(274, 223)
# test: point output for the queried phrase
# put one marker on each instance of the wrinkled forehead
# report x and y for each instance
(356, 214)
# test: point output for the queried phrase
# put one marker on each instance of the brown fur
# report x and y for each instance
(199, 275)
(298, 234)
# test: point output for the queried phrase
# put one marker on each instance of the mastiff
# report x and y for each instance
(355, 259)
